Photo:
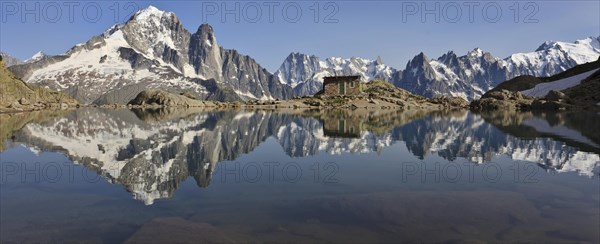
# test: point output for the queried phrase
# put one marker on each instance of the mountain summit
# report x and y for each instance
(153, 50)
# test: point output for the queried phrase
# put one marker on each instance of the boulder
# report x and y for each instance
(161, 98)
(450, 101)
(504, 95)
(555, 96)
(23, 101)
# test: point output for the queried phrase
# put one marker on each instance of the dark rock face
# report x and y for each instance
(417, 74)
(137, 60)
(466, 76)
(251, 78)
(204, 53)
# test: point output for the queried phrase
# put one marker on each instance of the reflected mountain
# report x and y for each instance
(151, 152)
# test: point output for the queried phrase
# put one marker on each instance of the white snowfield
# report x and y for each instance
(542, 89)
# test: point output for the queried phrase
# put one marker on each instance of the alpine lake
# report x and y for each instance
(346, 176)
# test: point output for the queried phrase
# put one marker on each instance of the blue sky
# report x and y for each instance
(394, 30)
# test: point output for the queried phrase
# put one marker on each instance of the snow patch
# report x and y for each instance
(542, 89)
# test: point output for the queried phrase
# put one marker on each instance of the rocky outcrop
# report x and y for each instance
(16, 95)
(376, 94)
(502, 100)
(453, 102)
(515, 101)
(158, 98)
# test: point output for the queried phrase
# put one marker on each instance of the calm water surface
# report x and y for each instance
(94, 175)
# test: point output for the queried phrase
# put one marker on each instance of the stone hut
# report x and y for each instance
(342, 85)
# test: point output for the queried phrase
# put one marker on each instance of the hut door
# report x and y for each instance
(342, 87)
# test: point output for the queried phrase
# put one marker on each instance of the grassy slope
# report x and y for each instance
(12, 90)
(587, 93)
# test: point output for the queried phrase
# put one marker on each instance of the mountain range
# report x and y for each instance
(153, 50)
(468, 76)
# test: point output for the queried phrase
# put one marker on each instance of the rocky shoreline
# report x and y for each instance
(18, 96)
(515, 101)
(378, 95)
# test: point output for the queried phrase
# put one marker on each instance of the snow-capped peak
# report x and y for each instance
(305, 73)
(150, 12)
(554, 56)
(37, 56)
(477, 52)
(593, 42)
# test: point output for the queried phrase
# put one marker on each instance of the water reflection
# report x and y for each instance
(151, 152)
